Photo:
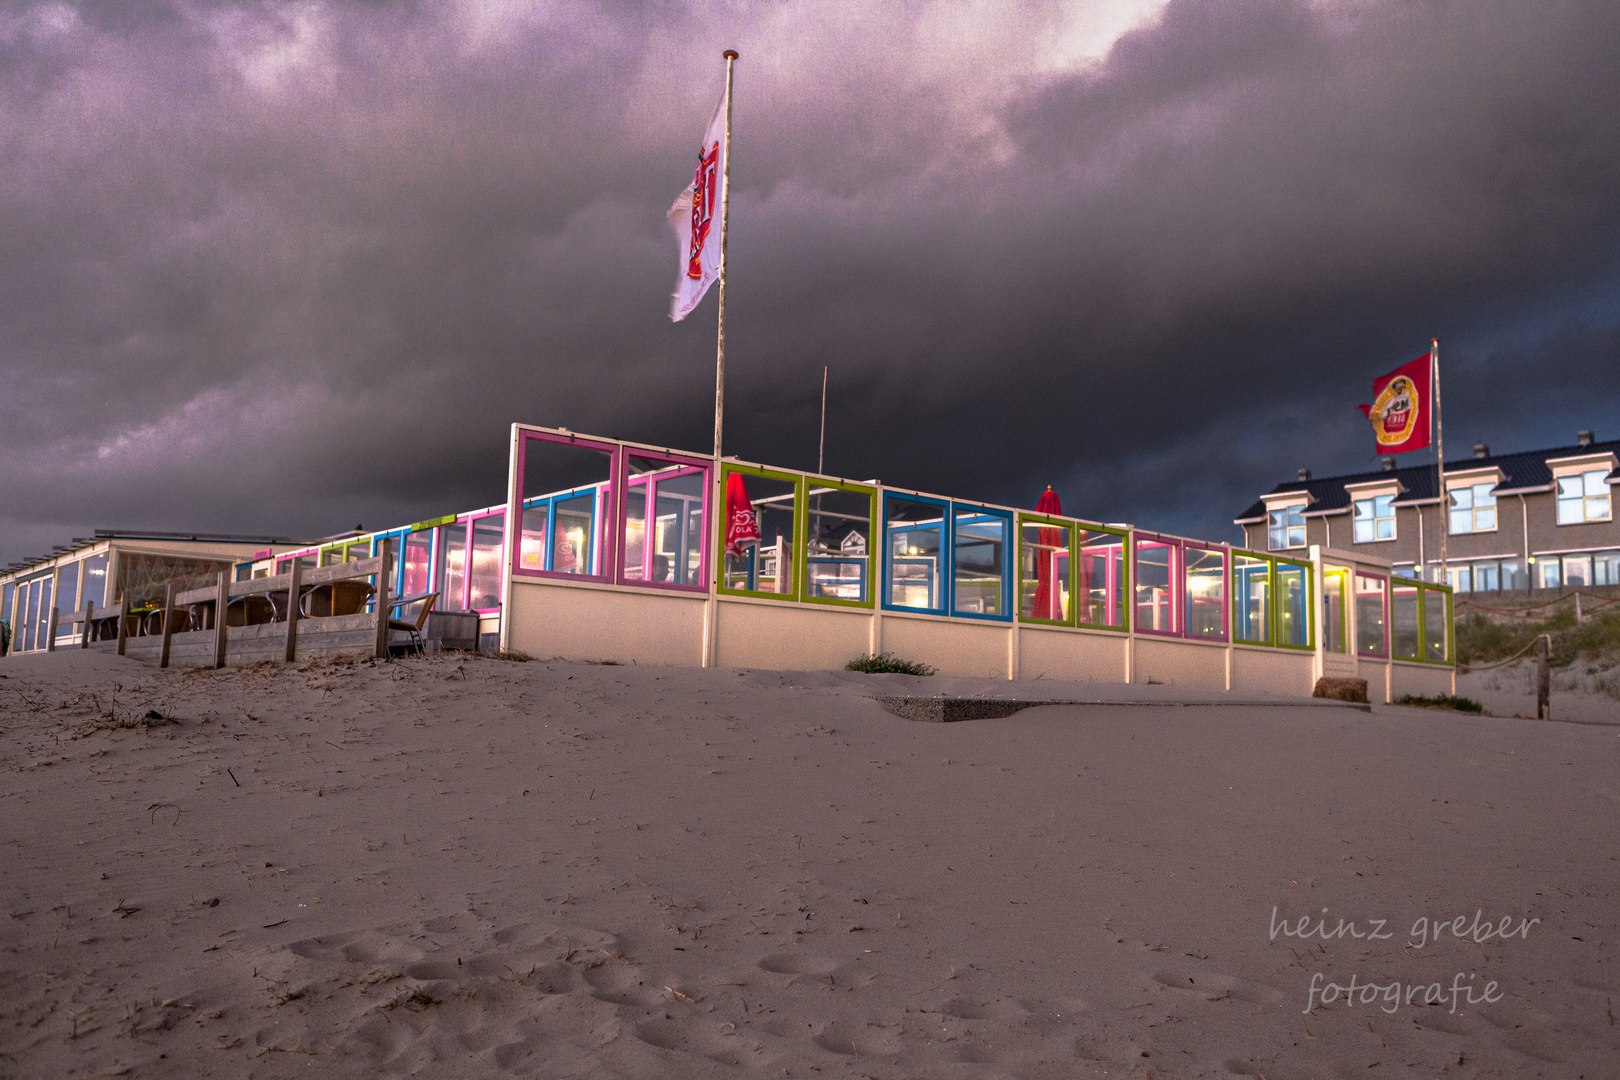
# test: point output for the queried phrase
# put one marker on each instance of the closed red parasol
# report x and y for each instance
(742, 525)
(1048, 600)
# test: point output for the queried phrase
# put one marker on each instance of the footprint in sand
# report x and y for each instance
(792, 963)
(1216, 987)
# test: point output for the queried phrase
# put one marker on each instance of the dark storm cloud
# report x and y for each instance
(288, 268)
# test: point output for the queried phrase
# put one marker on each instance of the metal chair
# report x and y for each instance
(414, 629)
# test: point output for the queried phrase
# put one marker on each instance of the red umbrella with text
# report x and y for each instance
(1049, 542)
(742, 526)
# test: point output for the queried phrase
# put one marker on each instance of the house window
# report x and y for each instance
(1375, 519)
(1473, 509)
(1287, 527)
(1583, 497)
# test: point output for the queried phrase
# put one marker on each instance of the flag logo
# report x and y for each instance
(704, 183)
(1399, 413)
(1394, 413)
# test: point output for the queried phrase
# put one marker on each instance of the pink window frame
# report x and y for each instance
(701, 466)
(470, 521)
(1178, 586)
(607, 539)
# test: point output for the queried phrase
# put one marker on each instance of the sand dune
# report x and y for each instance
(462, 867)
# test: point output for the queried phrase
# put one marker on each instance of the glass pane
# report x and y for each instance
(1206, 593)
(1333, 589)
(1292, 625)
(668, 549)
(1370, 615)
(564, 497)
(837, 553)
(452, 571)
(67, 587)
(678, 551)
(1548, 568)
(1403, 620)
(1155, 603)
(634, 542)
(760, 515)
(1099, 578)
(1577, 571)
(1043, 571)
(489, 536)
(418, 548)
(978, 567)
(43, 624)
(27, 612)
(1435, 623)
(1251, 591)
(915, 533)
(96, 580)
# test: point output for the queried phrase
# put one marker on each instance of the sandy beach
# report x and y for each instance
(463, 867)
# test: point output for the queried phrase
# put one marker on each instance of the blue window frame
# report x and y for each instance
(941, 558)
(916, 539)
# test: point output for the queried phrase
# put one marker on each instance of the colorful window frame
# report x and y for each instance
(603, 546)
(1088, 541)
(1180, 588)
(1051, 593)
(795, 556)
(676, 467)
(819, 485)
(986, 582)
(1285, 617)
(1335, 608)
(916, 567)
(1371, 614)
(1158, 585)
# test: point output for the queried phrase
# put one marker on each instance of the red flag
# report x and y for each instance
(1400, 413)
(742, 527)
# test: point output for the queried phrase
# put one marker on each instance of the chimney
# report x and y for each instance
(1388, 463)
(1304, 475)
(1583, 437)
(1481, 450)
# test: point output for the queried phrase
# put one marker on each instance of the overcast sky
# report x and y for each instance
(288, 268)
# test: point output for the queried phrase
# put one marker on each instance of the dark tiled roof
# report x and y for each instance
(1525, 470)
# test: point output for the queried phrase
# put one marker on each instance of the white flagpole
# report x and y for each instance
(710, 611)
(821, 455)
(1440, 458)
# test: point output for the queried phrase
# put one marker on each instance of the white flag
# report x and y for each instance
(695, 218)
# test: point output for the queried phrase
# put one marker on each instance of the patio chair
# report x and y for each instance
(414, 629)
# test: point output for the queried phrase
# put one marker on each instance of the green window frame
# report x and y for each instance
(1060, 559)
(814, 485)
(1294, 615)
(1287, 609)
(795, 556)
(1436, 600)
(1116, 584)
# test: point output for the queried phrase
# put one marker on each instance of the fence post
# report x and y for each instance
(382, 598)
(84, 633)
(123, 622)
(50, 629)
(221, 602)
(168, 623)
(1543, 677)
(292, 608)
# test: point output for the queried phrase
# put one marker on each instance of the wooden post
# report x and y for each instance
(292, 608)
(220, 605)
(168, 623)
(1543, 677)
(84, 632)
(382, 598)
(50, 628)
(123, 622)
